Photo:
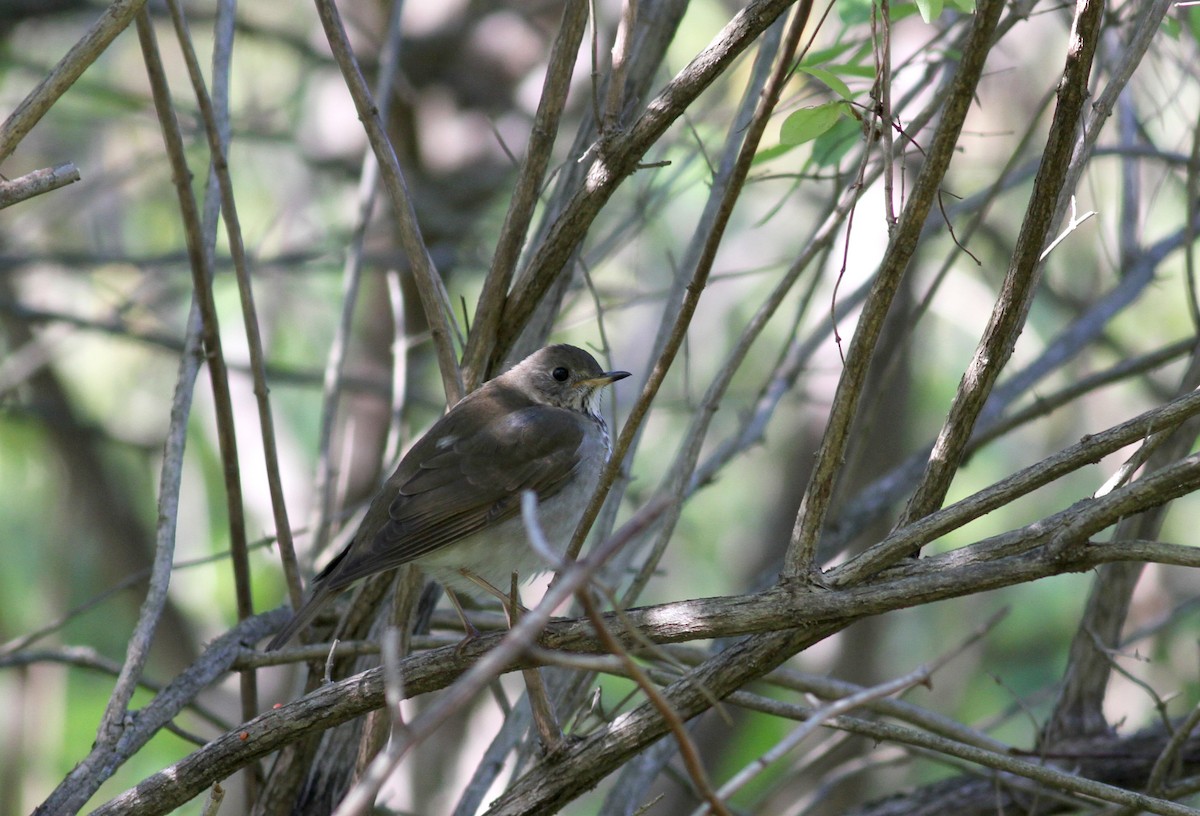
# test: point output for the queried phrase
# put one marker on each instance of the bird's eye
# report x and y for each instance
(560, 374)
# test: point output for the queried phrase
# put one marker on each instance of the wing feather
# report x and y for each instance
(454, 482)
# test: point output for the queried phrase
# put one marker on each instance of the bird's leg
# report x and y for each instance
(549, 732)
(505, 598)
(469, 630)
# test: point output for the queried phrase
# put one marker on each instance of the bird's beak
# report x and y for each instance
(607, 378)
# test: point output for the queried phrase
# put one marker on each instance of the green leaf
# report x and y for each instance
(832, 80)
(833, 144)
(769, 153)
(930, 9)
(824, 55)
(864, 71)
(855, 12)
(965, 6)
(807, 124)
(902, 11)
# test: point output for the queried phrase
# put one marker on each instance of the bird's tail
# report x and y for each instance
(303, 616)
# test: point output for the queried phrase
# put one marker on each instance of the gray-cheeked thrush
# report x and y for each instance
(453, 506)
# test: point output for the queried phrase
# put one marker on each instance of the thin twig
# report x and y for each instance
(919, 676)
(213, 121)
(529, 181)
(881, 45)
(429, 285)
(621, 159)
(115, 19)
(614, 100)
(397, 435)
(352, 268)
(1072, 225)
(699, 278)
(800, 561)
(687, 746)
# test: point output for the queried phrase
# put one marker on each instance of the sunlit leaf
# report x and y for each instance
(865, 71)
(830, 79)
(824, 55)
(930, 9)
(807, 124)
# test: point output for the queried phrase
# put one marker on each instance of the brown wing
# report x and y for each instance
(440, 494)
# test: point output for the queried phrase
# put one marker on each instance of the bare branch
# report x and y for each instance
(801, 557)
(620, 160)
(115, 19)
(36, 183)
(525, 191)
(429, 284)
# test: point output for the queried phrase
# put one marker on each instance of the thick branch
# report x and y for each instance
(777, 612)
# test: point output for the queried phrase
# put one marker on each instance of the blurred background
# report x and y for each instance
(95, 290)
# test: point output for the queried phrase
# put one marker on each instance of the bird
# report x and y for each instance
(453, 504)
